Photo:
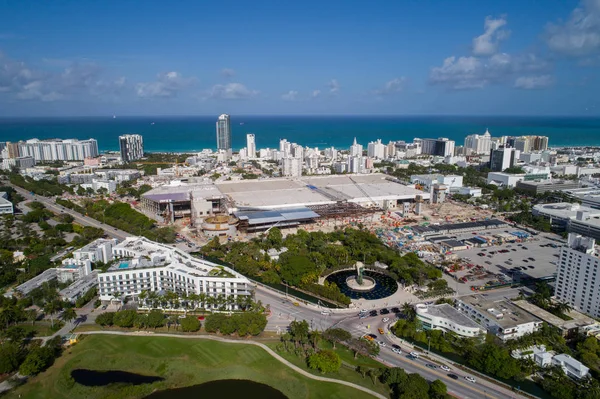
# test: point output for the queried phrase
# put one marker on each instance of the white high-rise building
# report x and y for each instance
(58, 150)
(479, 144)
(577, 280)
(356, 164)
(223, 133)
(250, 145)
(377, 150)
(291, 167)
(330, 153)
(285, 148)
(297, 151)
(356, 150)
(131, 146)
(502, 158)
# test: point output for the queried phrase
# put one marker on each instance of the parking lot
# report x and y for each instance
(535, 258)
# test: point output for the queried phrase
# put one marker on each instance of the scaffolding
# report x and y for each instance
(341, 209)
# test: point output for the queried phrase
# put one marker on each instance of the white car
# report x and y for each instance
(397, 351)
(325, 313)
(381, 343)
(445, 368)
(414, 355)
(470, 379)
(364, 311)
(386, 319)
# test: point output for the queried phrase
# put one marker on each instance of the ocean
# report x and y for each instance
(190, 134)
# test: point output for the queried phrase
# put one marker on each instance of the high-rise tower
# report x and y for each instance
(223, 133)
(131, 146)
(251, 145)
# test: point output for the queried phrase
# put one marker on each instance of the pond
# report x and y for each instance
(223, 389)
(384, 285)
(95, 378)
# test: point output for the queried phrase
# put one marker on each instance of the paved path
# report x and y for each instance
(231, 341)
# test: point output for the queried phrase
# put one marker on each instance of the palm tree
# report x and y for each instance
(315, 337)
(51, 308)
(202, 300)
(68, 315)
(409, 311)
(31, 315)
(142, 297)
(116, 296)
(8, 315)
(562, 307)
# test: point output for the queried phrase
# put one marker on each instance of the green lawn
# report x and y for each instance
(348, 370)
(180, 362)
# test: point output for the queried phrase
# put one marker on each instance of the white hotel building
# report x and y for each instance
(144, 265)
(577, 280)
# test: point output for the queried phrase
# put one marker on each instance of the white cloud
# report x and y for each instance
(166, 85)
(75, 81)
(290, 95)
(580, 34)
(315, 93)
(334, 86)
(489, 41)
(227, 72)
(393, 86)
(533, 82)
(476, 73)
(231, 91)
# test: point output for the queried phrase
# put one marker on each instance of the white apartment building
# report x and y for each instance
(356, 164)
(501, 318)
(285, 148)
(144, 265)
(99, 250)
(250, 146)
(58, 150)
(504, 179)
(131, 147)
(19, 162)
(446, 318)
(291, 167)
(577, 280)
(6, 207)
(356, 150)
(377, 150)
(479, 144)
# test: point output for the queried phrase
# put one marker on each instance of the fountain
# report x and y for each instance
(363, 284)
(359, 282)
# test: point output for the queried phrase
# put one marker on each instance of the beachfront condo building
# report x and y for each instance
(131, 146)
(250, 146)
(223, 133)
(57, 150)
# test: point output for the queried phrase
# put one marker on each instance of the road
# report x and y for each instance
(80, 219)
(459, 388)
(283, 312)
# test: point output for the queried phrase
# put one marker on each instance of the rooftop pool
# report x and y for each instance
(123, 265)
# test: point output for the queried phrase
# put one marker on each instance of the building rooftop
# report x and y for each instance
(502, 312)
(564, 210)
(142, 253)
(579, 320)
(80, 286)
(448, 312)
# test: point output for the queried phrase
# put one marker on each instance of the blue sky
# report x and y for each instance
(80, 58)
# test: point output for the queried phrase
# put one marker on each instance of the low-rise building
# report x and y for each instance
(501, 318)
(562, 214)
(577, 324)
(572, 368)
(6, 207)
(543, 186)
(446, 318)
(452, 182)
(99, 250)
(502, 179)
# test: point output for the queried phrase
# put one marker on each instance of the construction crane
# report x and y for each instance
(363, 191)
